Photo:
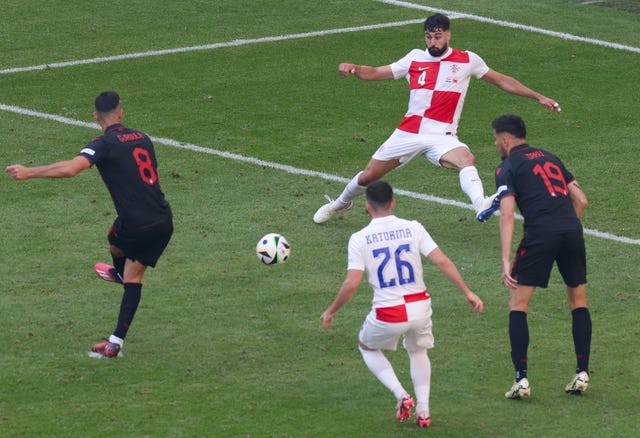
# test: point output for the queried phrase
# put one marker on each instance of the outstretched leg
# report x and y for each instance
(471, 185)
(375, 170)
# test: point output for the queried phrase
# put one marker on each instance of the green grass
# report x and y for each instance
(225, 347)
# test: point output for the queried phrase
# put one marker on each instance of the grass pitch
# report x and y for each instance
(224, 346)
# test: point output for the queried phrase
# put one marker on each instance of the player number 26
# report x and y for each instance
(404, 270)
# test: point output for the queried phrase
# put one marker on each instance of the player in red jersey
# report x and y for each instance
(551, 202)
(127, 163)
(438, 79)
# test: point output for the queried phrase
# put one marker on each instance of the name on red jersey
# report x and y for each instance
(130, 137)
(534, 155)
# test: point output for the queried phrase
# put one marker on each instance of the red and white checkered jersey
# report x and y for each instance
(438, 88)
(390, 250)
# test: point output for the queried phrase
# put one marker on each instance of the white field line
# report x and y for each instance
(278, 166)
(561, 35)
(282, 167)
(233, 43)
(242, 42)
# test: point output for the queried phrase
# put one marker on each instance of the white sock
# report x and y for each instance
(471, 184)
(380, 366)
(421, 376)
(351, 190)
(116, 340)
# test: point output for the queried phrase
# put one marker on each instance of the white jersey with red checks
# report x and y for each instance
(438, 88)
(390, 250)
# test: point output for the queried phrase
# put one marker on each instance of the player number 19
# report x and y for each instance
(553, 178)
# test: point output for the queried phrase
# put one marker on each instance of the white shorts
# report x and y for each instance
(405, 146)
(380, 335)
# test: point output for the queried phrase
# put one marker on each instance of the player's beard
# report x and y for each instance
(435, 52)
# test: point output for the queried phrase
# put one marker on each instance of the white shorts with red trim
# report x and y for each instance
(405, 146)
(383, 327)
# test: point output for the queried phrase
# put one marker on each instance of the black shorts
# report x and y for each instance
(144, 245)
(539, 249)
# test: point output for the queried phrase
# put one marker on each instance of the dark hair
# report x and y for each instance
(511, 124)
(436, 22)
(379, 194)
(107, 101)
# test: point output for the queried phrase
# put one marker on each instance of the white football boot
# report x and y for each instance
(327, 211)
(520, 389)
(578, 384)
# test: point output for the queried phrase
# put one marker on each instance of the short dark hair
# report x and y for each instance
(436, 22)
(379, 194)
(511, 124)
(107, 101)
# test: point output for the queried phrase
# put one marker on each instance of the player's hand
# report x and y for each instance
(327, 320)
(346, 69)
(476, 303)
(551, 105)
(17, 171)
(508, 280)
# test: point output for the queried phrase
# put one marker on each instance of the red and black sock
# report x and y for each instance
(581, 328)
(118, 263)
(128, 307)
(519, 337)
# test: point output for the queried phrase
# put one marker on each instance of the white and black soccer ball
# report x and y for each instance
(273, 249)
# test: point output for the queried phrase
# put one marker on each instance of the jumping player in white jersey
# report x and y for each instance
(390, 250)
(438, 79)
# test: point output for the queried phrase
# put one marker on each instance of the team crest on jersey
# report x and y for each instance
(454, 69)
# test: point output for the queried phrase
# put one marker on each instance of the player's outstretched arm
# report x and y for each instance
(448, 268)
(514, 86)
(365, 72)
(60, 169)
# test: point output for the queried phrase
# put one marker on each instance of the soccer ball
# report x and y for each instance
(273, 249)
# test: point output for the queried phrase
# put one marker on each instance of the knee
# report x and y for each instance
(468, 160)
(363, 347)
(115, 251)
(365, 178)
(577, 297)
(458, 159)
(416, 351)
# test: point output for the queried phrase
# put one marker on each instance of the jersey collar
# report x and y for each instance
(519, 148)
(114, 127)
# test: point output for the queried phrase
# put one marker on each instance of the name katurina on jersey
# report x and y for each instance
(388, 235)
